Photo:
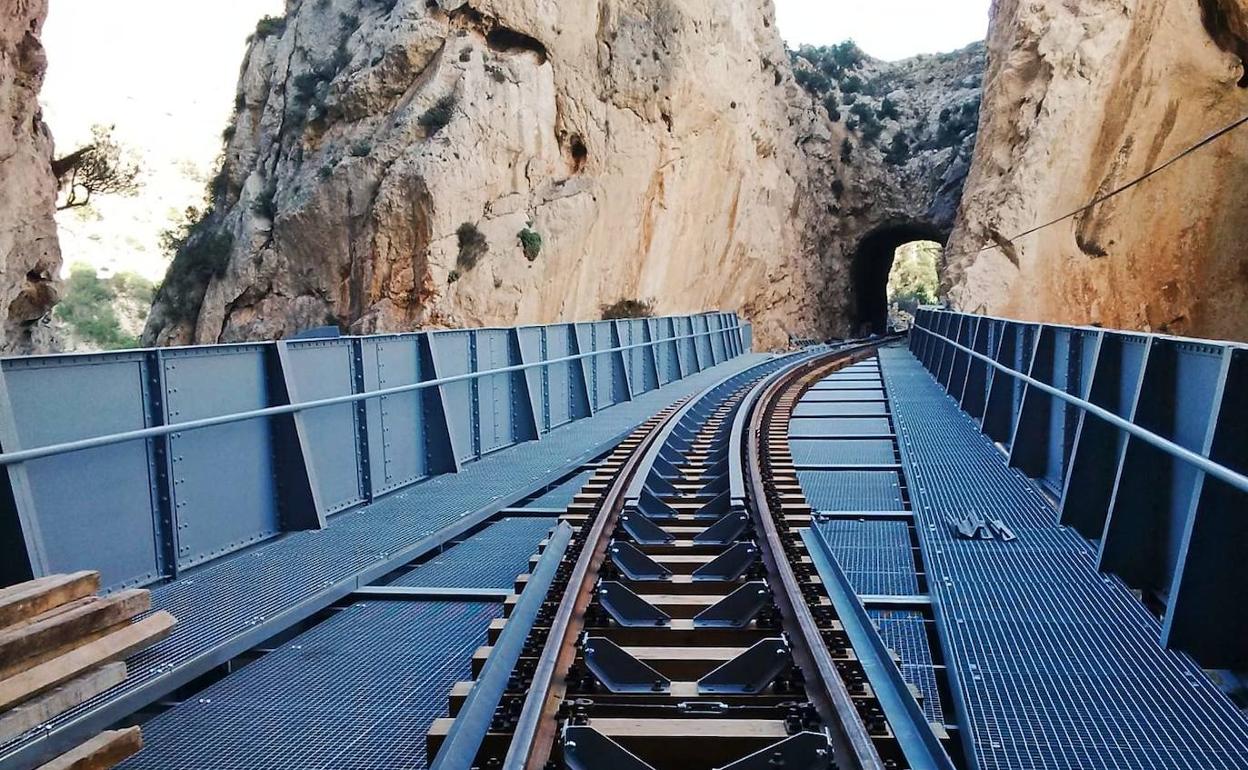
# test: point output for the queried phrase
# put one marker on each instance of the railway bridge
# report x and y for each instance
(640, 544)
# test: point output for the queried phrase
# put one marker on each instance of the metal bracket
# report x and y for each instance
(627, 608)
(737, 609)
(636, 565)
(729, 565)
(715, 486)
(584, 748)
(650, 504)
(619, 671)
(716, 507)
(724, 531)
(804, 751)
(644, 531)
(751, 671)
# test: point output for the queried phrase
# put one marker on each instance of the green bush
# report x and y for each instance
(270, 25)
(531, 241)
(361, 149)
(813, 81)
(305, 88)
(899, 150)
(89, 306)
(201, 251)
(472, 246)
(847, 150)
(888, 109)
(438, 116)
(628, 308)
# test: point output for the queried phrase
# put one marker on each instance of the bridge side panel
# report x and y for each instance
(452, 352)
(224, 493)
(396, 423)
(1097, 447)
(497, 394)
(319, 369)
(1154, 490)
(92, 509)
(1212, 576)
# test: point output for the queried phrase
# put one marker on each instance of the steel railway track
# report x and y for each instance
(675, 621)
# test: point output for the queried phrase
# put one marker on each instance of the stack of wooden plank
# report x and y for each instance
(60, 645)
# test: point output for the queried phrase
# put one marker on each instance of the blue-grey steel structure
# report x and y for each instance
(1157, 483)
(184, 497)
(1058, 664)
(284, 530)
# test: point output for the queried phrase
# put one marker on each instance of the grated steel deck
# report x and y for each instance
(560, 495)
(875, 555)
(357, 692)
(905, 633)
(491, 558)
(221, 605)
(842, 451)
(852, 490)
(1059, 665)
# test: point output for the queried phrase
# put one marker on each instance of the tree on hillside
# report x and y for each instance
(92, 307)
(913, 280)
(103, 167)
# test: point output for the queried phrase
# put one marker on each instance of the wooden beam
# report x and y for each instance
(102, 752)
(26, 600)
(114, 646)
(57, 628)
(35, 712)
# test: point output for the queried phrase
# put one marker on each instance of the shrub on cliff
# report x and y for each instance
(628, 308)
(438, 116)
(201, 251)
(531, 242)
(270, 25)
(472, 246)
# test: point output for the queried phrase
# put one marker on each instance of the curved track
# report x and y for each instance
(683, 624)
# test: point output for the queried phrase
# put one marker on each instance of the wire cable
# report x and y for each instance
(1116, 191)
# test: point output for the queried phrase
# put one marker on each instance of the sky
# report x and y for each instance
(163, 72)
(885, 29)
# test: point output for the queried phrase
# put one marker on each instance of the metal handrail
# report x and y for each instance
(78, 445)
(1220, 472)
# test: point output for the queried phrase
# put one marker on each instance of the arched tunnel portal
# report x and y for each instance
(870, 267)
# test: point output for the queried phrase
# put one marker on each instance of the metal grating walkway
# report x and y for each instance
(357, 692)
(492, 558)
(905, 633)
(875, 555)
(223, 606)
(560, 495)
(1059, 665)
(852, 490)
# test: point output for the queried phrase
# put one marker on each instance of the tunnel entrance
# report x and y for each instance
(894, 264)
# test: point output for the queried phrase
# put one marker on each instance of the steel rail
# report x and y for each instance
(156, 431)
(535, 732)
(1220, 472)
(919, 744)
(853, 745)
(473, 722)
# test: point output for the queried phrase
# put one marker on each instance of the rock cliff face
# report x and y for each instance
(397, 164)
(1080, 99)
(30, 258)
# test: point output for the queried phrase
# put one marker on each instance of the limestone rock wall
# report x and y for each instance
(661, 149)
(1079, 99)
(30, 258)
